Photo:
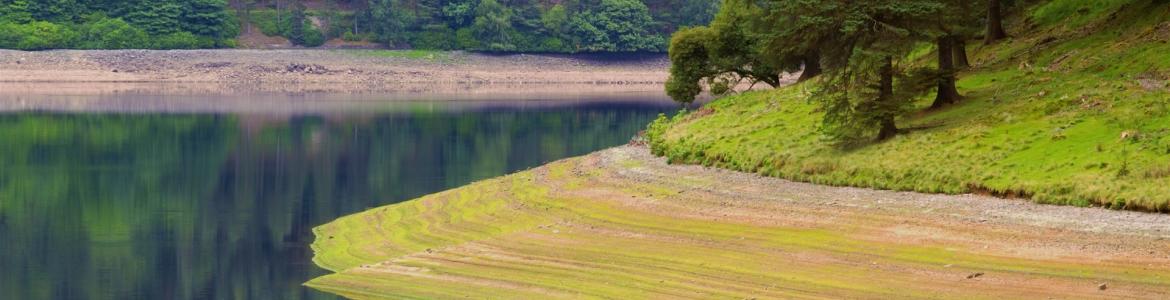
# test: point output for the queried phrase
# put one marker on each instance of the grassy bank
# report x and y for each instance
(1072, 110)
(620, 225)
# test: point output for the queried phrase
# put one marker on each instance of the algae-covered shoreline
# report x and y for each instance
(622, 224)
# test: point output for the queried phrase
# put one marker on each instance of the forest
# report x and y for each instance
(115, 24)
(574, 26)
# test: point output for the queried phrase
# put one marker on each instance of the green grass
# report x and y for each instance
(1044, 117)
(1074, 13)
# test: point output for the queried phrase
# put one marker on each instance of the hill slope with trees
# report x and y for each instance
(574, 26)
(116, 24)
(1068, 105)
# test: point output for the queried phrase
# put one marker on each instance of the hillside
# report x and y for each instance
(1073, 109)
(590, 26)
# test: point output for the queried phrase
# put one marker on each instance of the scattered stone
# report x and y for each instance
(1102, 286)
(1130, 134)
(213, 65)
(975, 275)
(306, 68)
(1152, 84)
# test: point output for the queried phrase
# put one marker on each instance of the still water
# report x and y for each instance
(219, 203)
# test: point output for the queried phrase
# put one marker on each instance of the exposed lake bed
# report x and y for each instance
(329, 70)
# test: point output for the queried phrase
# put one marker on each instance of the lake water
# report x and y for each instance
(138, 196)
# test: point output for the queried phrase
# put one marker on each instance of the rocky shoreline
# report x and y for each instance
(332, 70)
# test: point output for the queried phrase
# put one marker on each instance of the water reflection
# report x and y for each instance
(221, 205)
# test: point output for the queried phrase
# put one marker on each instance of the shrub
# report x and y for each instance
(113, 33)
(435, 37)
(38, 35)
(182, 40)
(553, 44)
(465, 39)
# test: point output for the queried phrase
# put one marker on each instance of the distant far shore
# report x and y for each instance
(335, 70)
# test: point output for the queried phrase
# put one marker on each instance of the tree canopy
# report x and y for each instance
(863, 48)
(116, 24)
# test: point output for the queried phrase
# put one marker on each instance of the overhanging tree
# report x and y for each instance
(731, 52)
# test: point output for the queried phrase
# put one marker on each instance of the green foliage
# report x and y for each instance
(617, 26)
(520, 25)
(113, 33)
(290, 24)
(116, 24)
(690, 63)
(725, 55)
(1074, 13)
(182, 40)
(15, 12)
(300, 30)
(487, 25)
(209, 18)
(435, 37)
(266, 21)
(57, 11)
(157, 18)
(37, 35)
(493, 27)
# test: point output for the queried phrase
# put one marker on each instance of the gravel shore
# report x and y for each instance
(332, 70)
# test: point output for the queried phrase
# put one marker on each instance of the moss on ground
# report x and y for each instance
(575, 230)
(1072, 112)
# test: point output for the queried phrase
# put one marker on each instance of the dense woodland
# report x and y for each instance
(115, 24)
(485, 25)
(862, 49)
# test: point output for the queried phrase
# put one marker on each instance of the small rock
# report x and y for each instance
(975, 275)
(1102, 286)
(1130, 134)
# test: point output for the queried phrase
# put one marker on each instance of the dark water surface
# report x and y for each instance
(153, 203)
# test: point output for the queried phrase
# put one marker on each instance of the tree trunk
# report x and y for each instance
(812, 66)
(994, 23)
(885, 94)
(947, 92)
(961, 61)
(278, 20)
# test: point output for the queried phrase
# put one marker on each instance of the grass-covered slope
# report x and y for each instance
(1074, 109)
